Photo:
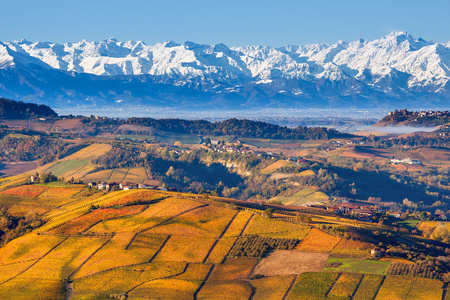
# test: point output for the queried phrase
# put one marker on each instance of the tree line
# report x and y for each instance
(10, 109)
(238, 127)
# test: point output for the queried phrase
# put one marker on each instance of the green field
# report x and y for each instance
(410, 224)
(55, 184)
(132, 137)
(172, 137)
(167, 137)
(359, 266)
(226, 138)
(67, 166)
(269, 142)
(368, 287)
(312, 286)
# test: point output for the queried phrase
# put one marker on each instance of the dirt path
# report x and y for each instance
(69, 290)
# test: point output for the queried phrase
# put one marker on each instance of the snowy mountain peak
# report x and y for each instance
(171, 44)
(111, 40)
(395, 66)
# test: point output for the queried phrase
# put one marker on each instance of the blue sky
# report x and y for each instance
(232, 22)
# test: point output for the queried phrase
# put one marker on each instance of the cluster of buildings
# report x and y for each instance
(430, 113)
(363, 212)
(421, 114)
(236, 147)
(122, 186)
(333, 145)
(405, 161)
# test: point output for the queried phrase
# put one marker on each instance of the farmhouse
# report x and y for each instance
(375, 252)
(92, 184)
(395, 214)
(110, 186)
(101, 186)
(127, 186)
(405, 161)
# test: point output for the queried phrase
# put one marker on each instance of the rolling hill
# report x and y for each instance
(147, 244)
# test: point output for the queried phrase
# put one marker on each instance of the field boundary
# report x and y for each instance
(246, 225)
(161, 278)
(159, 249)
(379, 287)
(89, 257)
(38, 260)
(110, 175)
(173, 217)
(204, 281)
(357, 286)
(127, 266)
(444, 290)
(290, 287)
(126, 174)
(220, 237)
(332, 285)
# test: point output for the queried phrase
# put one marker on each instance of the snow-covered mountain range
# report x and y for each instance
(395, 71)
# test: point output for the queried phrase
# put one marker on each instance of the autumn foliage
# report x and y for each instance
(82, 223)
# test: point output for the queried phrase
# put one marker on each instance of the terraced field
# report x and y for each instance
(306, 195)
(177, 248)
(65, 167)
(275, 166)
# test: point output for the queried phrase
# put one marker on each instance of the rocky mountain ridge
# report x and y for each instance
(394, 70)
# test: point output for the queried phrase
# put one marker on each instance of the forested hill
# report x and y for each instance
(416, 118)
(237, 127)
(10, 109)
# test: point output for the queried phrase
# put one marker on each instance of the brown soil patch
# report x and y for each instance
(277, 176)
(66, 124)
(16, 168)
(435, 154)
(400, 167)
(15, 123)
(134, 128)
(41, 126)
(354, 154)
(286, 262)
